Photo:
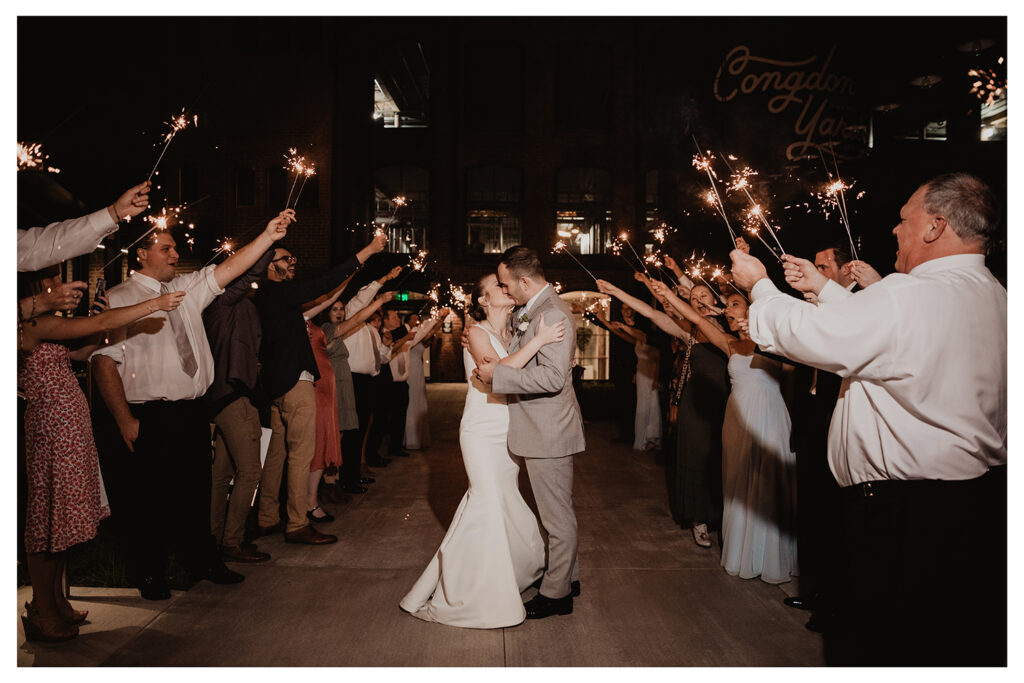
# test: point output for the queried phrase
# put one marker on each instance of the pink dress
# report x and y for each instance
(328, 436)
(65, 502)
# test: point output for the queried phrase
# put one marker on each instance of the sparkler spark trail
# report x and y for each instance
(161, 222)
(624, 238)
(177, 123)
(702, 162)
(741, 182)
(309, 171)
(295, 164)
(32, 156)
(560, 247)
(838, 187)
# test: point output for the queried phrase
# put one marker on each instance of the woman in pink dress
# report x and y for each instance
(65, 498)
(328, 441)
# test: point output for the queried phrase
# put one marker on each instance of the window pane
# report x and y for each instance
(583, 219)
(401, 195)
(401, 84)
(492, 231)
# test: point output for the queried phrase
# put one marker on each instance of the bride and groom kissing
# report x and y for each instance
(520, 407)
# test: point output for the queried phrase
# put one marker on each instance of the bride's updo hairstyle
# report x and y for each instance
(475, 310)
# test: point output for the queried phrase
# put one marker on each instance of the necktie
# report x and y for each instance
(188, 359)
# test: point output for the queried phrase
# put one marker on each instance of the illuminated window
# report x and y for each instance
(651, 217)
(493, 208)
(591, 339)
(993, 119)
(402, 206)
(583, 217)
(401, 84)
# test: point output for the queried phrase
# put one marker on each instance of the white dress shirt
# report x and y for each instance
(42, 247)
(363, 356)
(923, 357)
(146, 353)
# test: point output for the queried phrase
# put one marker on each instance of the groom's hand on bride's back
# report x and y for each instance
(485, 371)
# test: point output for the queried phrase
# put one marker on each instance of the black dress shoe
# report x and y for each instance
(154, 588)
(367, 480)
(349, 487)
(328, 517)
(541, 607)
(377, 462)
(219, 573)
(808, 602)
(574, 587)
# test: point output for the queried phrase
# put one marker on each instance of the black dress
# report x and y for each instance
(695, 475)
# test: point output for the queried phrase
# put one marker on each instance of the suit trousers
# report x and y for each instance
(236, 454)
(551, 481)
(293, 422)
(927, 571)
(383, 407)
(160, 494)
(352, 440)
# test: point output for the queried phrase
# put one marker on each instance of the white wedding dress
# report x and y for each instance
(493, 550)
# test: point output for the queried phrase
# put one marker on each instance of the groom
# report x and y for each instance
(545, 426)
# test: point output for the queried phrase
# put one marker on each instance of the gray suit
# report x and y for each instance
(546, 430)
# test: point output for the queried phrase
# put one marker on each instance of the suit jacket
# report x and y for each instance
(544, 417)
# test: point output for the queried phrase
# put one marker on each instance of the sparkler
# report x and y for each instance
(297, 165)
(32, 156)
(988, 85)
(223, 247)
(838, 188)
(309, 171)
(717, 273)
(624, 238)
(617, 250)
(560, 247)
(702, 162)
(177, 123)
(740, 182)
(416, 263)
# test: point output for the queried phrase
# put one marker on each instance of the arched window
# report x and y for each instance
(402, 206)
(591, 339)
(583, 214)
(494, 197)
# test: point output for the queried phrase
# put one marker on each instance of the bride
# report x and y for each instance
(492, 550)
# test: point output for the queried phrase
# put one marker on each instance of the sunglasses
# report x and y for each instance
(289, 259)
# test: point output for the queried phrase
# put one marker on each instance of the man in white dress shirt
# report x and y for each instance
(151, 375)
(39, 248)
(918, 437)
(42, 247)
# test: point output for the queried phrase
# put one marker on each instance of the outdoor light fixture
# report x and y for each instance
(926, 81)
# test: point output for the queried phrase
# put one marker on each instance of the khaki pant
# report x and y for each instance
(236, 454)
(293, 422)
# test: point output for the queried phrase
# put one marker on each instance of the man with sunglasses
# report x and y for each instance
(288, 372)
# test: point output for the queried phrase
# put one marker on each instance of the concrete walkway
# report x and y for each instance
(650, 597)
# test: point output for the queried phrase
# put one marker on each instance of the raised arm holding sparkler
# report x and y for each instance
(42, 247)
(243, 259)
(662, 320)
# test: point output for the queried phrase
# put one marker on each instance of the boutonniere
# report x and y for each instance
(524, 324)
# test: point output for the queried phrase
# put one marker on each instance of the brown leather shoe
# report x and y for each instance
(268, 530)
(243, 553)
(309, 536)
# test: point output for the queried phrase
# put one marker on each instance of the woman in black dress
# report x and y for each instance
(702, 389)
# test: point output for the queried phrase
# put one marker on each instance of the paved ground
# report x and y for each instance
(650, 596)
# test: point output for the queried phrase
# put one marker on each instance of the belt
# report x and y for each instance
(870, 489)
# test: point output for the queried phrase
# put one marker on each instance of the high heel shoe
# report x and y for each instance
(47, 629)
